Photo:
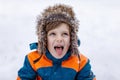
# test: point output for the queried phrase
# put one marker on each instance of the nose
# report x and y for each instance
(59, 39)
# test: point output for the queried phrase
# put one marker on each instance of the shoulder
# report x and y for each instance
(33, 55)
(38, 60)
(80, 57)
(83, 61)
(76, 62)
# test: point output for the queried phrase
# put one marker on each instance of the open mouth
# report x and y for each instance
(59, 49)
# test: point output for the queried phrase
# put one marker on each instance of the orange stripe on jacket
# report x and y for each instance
(74, 62)
(43, 62)
(32, 57)
(18, 78)
(38, 78)
(83, 61)
(94, 79)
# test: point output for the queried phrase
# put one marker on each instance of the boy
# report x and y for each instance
(57, 56)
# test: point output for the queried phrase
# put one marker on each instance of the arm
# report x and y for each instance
(85, 73)
(26, 72)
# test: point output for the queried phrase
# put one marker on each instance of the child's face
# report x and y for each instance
(58, 40)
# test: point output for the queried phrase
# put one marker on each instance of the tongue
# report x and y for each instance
(59, 51)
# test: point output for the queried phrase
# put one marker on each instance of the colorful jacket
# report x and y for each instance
(46, 67)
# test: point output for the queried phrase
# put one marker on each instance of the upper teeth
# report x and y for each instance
(59, 47)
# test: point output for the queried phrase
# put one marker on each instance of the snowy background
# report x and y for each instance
(99, 33)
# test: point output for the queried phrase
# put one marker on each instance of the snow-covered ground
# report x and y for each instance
(99, 33)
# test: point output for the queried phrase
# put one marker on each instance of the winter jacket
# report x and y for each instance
(46, 67)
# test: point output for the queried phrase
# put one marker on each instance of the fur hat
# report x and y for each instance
(53, 15)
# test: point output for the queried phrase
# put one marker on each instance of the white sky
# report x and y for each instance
(99, 33)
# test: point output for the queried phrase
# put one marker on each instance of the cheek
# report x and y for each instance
(49, 42)
(68, 42)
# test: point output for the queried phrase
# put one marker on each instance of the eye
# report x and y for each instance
(65, 34)
(52, 34)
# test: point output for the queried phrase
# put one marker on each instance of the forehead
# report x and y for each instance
(61, 27)
(56, 25)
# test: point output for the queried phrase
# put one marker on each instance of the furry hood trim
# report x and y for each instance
(57, 13)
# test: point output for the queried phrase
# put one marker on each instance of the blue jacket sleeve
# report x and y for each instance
(27, 72)
(86, 73)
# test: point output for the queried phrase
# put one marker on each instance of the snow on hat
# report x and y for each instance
(54, 15)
